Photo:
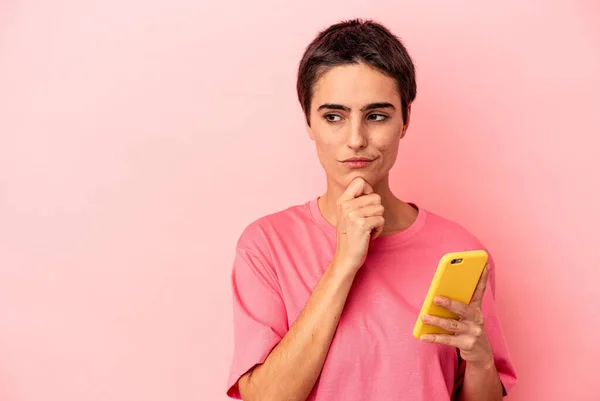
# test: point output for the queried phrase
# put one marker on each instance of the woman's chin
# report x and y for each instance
(370, 177)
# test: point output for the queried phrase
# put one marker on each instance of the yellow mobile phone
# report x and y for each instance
(456, 278)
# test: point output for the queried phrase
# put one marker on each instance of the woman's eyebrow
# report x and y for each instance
(378, 105)
(370, 106)
(332, 106)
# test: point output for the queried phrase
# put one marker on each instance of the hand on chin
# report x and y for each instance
(351, 176)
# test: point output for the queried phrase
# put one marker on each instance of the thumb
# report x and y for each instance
(477, 298)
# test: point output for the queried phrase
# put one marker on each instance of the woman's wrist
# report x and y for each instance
(487, 364)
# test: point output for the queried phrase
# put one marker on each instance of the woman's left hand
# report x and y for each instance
(469, 335)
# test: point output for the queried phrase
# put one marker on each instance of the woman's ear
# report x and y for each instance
(309, 129)
(406, 121)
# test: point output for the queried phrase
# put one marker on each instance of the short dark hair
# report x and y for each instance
(352, 42)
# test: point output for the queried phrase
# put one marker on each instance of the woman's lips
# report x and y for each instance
(356, 163)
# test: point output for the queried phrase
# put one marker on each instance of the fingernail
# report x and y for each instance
(425, 318)
(438, 300)
(427, 338)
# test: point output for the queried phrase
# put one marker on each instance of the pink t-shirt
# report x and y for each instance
(373, 356)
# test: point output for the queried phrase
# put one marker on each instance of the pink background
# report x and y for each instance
(138, 138)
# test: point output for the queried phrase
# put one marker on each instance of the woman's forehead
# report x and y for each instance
(355, 85)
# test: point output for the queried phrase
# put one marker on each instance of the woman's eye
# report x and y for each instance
(332, 118)
(376, 117)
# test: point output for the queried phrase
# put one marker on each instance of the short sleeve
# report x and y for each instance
(259, 315)
(502, 357)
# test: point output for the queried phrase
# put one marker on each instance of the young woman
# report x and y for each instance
(326, 293)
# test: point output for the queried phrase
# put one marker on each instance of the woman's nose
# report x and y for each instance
(357, 139)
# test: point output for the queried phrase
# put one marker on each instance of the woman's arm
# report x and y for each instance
(481, 379)
(481, 383)
(291, 370)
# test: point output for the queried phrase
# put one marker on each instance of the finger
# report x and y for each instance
(363, 201)
(369, 210)
(374, 225)
(376, 232)
(378, 229)
(481, 286)
(367, 188)
(451, 325)
(357, 187)
(460, 309)
(463, 342)
(446, 339)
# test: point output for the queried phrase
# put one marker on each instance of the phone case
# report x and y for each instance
(456, 281)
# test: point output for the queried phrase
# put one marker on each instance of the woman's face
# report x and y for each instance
(356, 113)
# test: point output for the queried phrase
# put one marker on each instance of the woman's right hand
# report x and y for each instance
(359, 219)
